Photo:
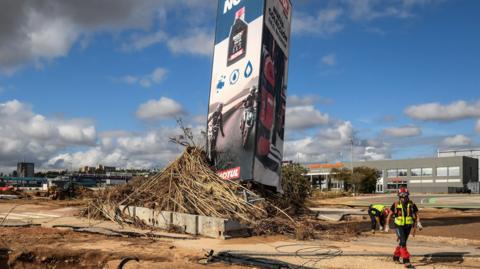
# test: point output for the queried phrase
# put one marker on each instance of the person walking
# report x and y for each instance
(378, 214)
(406, 217)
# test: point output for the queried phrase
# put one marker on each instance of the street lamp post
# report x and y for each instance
(351, 162)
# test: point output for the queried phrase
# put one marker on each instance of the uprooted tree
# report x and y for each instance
(296, 186)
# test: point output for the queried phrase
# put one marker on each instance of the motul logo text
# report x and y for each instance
(229, 4)
(230, 173)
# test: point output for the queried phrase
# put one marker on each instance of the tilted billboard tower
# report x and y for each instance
(246, 114)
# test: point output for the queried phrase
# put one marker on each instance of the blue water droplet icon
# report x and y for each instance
(248, 69)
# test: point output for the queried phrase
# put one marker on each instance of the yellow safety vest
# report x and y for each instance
(400, 218)
(380, 208)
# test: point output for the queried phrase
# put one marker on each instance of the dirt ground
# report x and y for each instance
(446, 231)
(54, 248)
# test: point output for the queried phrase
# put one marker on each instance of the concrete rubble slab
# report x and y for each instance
(188, 223)
(8, 196)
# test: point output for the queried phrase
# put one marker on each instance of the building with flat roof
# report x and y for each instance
(473, 153)
(25, 169)
(425, 175)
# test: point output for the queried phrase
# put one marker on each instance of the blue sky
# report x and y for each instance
(93, 82)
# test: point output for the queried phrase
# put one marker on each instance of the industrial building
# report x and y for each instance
(424, 175)
(25, 169)
(473, 153)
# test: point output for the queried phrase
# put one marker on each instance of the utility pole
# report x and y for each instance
(351, 162)
(351, 151)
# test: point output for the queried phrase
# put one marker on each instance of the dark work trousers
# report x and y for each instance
(373, 213)
(403, 232)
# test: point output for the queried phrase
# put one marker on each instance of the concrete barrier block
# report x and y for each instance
(187, 222)
(144, 214)
(220, 228)
(128, 211)
(162, 219)
(211, 226)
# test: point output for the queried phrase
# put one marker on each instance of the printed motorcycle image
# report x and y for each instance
(248, 119)
(246, 125)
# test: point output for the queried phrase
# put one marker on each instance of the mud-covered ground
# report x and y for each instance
(54, 248)
(446, 231)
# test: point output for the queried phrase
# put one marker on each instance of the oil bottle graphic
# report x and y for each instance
(237, 44)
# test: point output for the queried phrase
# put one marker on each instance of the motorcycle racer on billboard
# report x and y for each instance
(248, 119)
(215, 122)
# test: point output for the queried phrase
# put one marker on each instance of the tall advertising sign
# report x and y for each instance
(246, 117)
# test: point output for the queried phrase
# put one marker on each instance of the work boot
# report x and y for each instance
(396, 259)
(373, 231)
(407, 263)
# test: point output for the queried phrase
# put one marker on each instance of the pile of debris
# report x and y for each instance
(189, 185)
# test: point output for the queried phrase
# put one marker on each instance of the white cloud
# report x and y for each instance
(404, 131)
(25, 134)
(196, 42)
(200, 119)
(438, 112)
(304, 117)
(306, 100)
(329, 59)
(33, 32)
(64, 143)
(145, 41)
(164, 108)
(333, 18)
(332, 144)
(123, 149)
(60, 143)
(457, 141)
(367, 10)
(477, 128)
(324, 23)
(156, 77)
(129, 79)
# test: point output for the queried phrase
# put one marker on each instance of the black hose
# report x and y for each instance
(125, 260)
(343, 254)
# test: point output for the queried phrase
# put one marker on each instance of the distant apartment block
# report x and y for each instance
(25, 169)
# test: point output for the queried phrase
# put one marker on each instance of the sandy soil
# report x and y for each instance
(445, 230)
(54, 248)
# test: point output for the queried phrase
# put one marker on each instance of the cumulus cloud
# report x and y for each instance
(53, 143)
(325, 22)
(38, 31)
(333, 18)
(307, 100)
(139, 42)
(404, 131)
(304, 117)
(196, 41)
(457, 141)
(123, 149)
(438, 112)
(329, 59)
(25, 134)
(333, 143)
(156, 77)
(161, 109)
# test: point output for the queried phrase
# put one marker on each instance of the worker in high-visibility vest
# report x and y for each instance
(378, 214)
(406, 218)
